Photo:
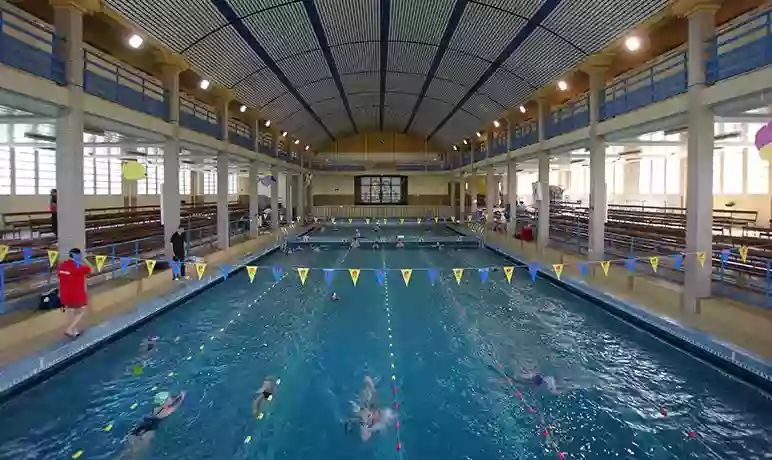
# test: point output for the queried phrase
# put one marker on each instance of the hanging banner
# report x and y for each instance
(558, 268)
(743, 253)
(303, 274)
(251, 271)
(225, 270)
(27, 253)
(200, 269)
(52, 255)
(605, 265)
(483, 274)
(433, 275)
(654, 261)
(150, 265)
(458, 273)
(401, 221)
(380, 275)
(100, 262)
(354, 273)
(678, 260)
(3, 252)
(724, 256)
(508, 273)
(701, 258)
(533, 270)
(328, 273)
(406, 273)
(277, 271)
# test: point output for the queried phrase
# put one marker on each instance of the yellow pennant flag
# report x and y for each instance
(743, 253)
(458, 273)
(100, 262)
(251, 271)
(654, 261)
(354, 272)
(558, 269)
(316, 219)
(436, 219)
(453, 219)
(350, 220)
(150, 264)
(303, 274)
(701, 258)
(367, 221)
(468, 218)
(333, 220)
(508, 273)
(401, 221)
(418, 220)
(52, 255)
(3, 251)
(605, 265)
(406, 272)
(200, 269)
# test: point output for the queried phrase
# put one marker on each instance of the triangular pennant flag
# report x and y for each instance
(200, 269)
(225, 270)
(350, 220)
(743, 253)
(432, 275)
(124, 262)
(678, 260)
(401, 221)
(332, 220)
(277, 271)
(558, 269)
(316, 220)
(533, 270)
(150, 265)
(436, 219)
(27, 253)
(508, 273)
(328, 272)
(701, 258)
(367, 221)
(100, 262)
(3, 252)
(630, 264)
(483, 274)
(406, 273)
(380, 275)
(582, 266)
(251, 271)
(605, 265)
(418, 220)
(654, 261)
(724, 256)
(468, 218)
(303, 274)
(453, 219)
(354, 272)
(52, 255)
(458, 273)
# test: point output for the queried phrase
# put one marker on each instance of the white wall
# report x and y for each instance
(427, 185)
(333, 185)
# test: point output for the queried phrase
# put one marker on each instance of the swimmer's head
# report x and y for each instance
(161, 397)
(537, 379)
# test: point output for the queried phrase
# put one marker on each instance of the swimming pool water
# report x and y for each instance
(448, 341)
(387, 231)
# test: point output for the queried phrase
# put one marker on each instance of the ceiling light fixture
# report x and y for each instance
(496, 123)
(522, 109)
(135, 41)
(307, 147)
(455, 147)
(204, 84)
(267, 123)
(633, 43)
(562, 85)
(479, 134)
(297, 141)
(466, 142)
(284, 134)
(243, 108)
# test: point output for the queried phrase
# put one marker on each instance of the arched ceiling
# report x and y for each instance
(440, 69)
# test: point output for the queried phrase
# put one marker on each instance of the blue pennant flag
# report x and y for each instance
(225, 269)
(124, 261)
(27, 252)
(328, 272)
(433, 272)
(725, 256)
(175, 268)
(630, 264)
(582, 267)
(533, 270)
(380, 275)
(678, 259)
(483, 274)
(276, 272)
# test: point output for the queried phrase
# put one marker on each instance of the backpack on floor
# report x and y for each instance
(50, 300)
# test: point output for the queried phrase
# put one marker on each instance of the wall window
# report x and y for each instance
(233, 184)
(619, 177)
(658, 176)
(153, 183)
(116, 175)
(5, 171)
(717, 172)
(733, 171)
(644, 176)
(46, 171)
(758, 173)
(673, 175)
(210, 183)
(24, 171)
(524, 181)
(101, 175)
(381, 189)
(184, 181)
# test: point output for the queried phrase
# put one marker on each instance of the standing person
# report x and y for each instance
(178, 249)
(72, 288)
(54, 215)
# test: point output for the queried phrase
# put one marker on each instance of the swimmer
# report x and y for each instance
(147, 345)
(541, 381)
(375, 244)
(334, 297)
(400, 244)
(316, 248)
(265, 393)
(142, 435)
(358, 235)
(367, 415)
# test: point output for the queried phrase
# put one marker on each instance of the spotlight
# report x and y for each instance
(243, 108)
(455, 147)
(267, 123)
(284, 134)
(297, 141)
(135, 41)
(633, 43)
(465, 142)
(479, 134)
(307, 147)
(562, 85)
(496, 123)
(522, 109)
(204, 84)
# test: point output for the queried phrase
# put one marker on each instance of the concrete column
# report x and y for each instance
(544, 201)
(473, 195)
(275, 197)
(301, 192)
(512, 196)
(68, 22)
(597, 207)
(542, 117)
(452, 196)
(462, 198)
(254, 198)
(288, 195)
(699, 197)
(171, 185)
(223, 217)
(490, 196)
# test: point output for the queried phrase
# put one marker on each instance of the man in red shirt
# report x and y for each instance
(72, 288)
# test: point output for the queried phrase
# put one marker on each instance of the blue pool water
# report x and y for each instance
(448, 341)
(386, 231)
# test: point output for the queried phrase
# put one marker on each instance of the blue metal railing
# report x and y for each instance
(199, 118)
(524, 134)
(656, 83)
(29, 46)
(266, 143)
(125, 87)
(499, 143)
(570, 117)
(740, 49)
(240, 134)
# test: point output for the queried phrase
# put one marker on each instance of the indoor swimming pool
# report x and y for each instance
(449, 358)
(412, 230)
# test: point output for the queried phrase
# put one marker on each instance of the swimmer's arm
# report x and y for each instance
(167, 411)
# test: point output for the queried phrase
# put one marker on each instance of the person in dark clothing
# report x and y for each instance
(178, 250)
(54, 214)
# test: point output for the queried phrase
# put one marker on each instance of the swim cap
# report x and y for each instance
(160, 398)
(538, 379)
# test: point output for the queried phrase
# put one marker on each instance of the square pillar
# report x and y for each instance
(254, 199)
(512, 196)
(170, 200)
(71, 205)
(275, 195)
(597, 205)
(223, 217)
(462, 198)
(699, 195)
(544, 202)
(490, 201)
(289, 215)
(473, 193)
(452, 196)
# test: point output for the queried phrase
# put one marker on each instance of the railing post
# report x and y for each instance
(632, 246)
(2, 277)
(114, 261)
(136, 256)
(721, 276)
(767, 280)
